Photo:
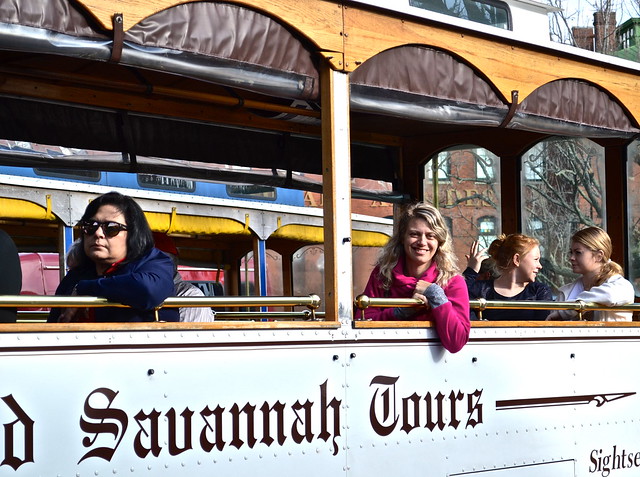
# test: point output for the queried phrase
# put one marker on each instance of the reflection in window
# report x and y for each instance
(251, 191)
(308, 272)
(274, 275)
(534, 229)
(364, 260)
(486, 231)
(633, 198)
(562, 191)
(471, 193)
(82, 175)
(484, 165)
(489, 12)
(533, 167)
(155, 181)
(440, 163)
(449, 223)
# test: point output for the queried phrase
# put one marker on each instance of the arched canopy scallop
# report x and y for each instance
(425, 84)
(218, 42)
(573, 107)
(431, 85)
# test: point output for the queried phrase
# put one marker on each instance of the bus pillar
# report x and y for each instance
(510, 167)
(615, 164)
(336, 189)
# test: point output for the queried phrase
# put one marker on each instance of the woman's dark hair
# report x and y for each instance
(139, 236)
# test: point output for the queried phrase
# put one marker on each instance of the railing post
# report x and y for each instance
(65, 241)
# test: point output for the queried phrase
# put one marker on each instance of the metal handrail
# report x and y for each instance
(363, 302)
(312, 302)
(269, 315)
(40, 301)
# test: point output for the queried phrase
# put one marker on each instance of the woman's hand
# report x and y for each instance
(73, 315)
(476, 256)
(554, 315)
(418, 293)
(69, 315)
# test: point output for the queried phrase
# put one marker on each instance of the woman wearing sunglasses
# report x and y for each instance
(116, 260)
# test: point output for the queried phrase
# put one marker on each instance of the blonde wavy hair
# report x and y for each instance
(446, 261)
(597, 240)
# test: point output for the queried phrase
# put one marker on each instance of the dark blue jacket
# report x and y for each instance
(142, 284)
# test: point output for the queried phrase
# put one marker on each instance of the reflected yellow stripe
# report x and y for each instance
(314, 234)
(195, 225)
(23, 209)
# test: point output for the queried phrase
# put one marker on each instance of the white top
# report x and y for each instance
(615, 291)
(193, 313)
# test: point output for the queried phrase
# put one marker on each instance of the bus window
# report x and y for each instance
(308, 271)
(82, 175)
(562, 191)
(273, 272)
(250, 191)
(364, 260)
(464, 183)
(633, 182)
(492, 13)
(155, 181)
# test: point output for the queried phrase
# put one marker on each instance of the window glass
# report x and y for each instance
(633, 200)
(82, 175)
(364, 260)
(274, 276)
(492, 13)
(251, 191)
(442, 164)
(469, 197)
(487, 231)
(533, 164)
(155, 181)
(562, 191)
(484, 165)
(308, 272)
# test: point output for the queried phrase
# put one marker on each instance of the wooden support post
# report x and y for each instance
(616, 187)
(510, 193)
(336, 179)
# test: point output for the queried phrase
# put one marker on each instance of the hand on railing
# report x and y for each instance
(81, 303)
(362, 302)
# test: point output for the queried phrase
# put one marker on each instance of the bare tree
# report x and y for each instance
(561, 22)
(563, 192)
(579, 16)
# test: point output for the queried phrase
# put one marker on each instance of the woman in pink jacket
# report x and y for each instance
(418, 262)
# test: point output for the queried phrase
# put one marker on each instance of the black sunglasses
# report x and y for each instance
(110, 229)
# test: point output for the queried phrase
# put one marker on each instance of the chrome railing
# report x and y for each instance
(311, 302)
(363, 302)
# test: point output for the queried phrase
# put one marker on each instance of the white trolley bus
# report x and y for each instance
(274, 92)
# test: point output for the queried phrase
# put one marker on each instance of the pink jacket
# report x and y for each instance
(451, 318)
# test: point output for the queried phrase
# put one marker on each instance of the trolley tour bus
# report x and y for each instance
(384, 102)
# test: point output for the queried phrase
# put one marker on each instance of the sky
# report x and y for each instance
(580, 12)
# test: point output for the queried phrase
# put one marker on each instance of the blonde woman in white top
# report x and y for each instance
(601, 281)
